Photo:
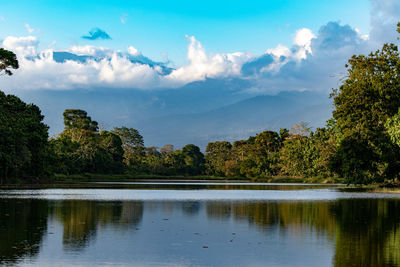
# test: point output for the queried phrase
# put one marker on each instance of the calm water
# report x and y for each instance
(199, 224)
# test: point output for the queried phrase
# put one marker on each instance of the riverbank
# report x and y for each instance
(76, 180)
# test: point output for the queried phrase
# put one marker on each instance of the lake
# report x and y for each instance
(199, 224)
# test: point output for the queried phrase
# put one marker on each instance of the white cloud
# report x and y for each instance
(44, 72)
(28, 28)
(279, 51)
(22, 46)
(282, 54)
(312, 62)
(384, 16)
(90, 50)
(202, 66)
(112, 68)
(315, 62)
(133, 51)
(303, 40)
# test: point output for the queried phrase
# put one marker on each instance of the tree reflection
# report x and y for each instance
(368, 232)
(365, 232)
(271, 214)
(82, 218)
(22, 226)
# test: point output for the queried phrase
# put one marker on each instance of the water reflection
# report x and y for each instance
(351, 232)
(22, 225)
(82, 219)
(367, 232)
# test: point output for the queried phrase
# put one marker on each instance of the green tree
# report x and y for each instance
(153, 161)
(392, 126)
(267, 142)
(112, 144)
(194, 159)
(308, 156)
(78, 125)
(368, 97)
(134, 150)
(8, 60)
(175, 163)
(355, 161)
(81, 148)
(23, 140)
(217, 153)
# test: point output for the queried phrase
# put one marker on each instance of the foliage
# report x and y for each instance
(194, 160)
(361, 143)
(217, 154)
(304, 156)
(7, 60)
(133, 147)
(367, 99)
(81, 148)
(392, 126)
(23, 140)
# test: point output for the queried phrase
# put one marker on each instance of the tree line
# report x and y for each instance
(360, 143)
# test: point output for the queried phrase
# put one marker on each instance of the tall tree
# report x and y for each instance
(8, 60)
(133, 145)
(78, 119)
(23, 135)
(23, 139)
(194, 159)
(81, 148)
(368, 97)
(217, 154)
(392, 125)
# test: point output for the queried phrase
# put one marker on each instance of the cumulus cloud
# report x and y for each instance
(92, 66)
(90, 50)
(23, 46)
(303, 40)
(308, 64)
(95, 34)
(314, 61)
(202, 66)
(384, 16)
(133, 51)
(43, 72)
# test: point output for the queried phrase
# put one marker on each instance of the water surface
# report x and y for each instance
(199, 224)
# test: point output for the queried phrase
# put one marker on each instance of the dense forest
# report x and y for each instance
(360, 143)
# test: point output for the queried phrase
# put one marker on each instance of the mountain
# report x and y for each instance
(197, 113)
(239, 120)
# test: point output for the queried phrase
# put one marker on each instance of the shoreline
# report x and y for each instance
(80, 179)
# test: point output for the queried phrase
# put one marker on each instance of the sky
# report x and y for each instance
(158, 28)
(185, 58)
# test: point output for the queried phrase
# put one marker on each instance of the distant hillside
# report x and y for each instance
(197, 113)
(239, 120)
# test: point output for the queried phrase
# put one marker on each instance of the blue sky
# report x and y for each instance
(157, 28)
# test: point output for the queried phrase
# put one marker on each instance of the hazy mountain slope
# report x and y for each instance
(197, 113)
(239, 120)
(116, 107)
